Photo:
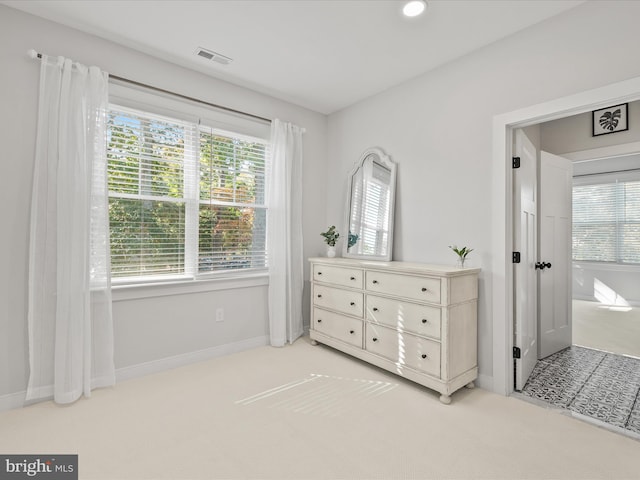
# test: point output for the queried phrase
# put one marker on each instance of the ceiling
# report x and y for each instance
(320, 54)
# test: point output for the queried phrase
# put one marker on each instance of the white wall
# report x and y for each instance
(573, 134)
(147, 329)
(438, 127)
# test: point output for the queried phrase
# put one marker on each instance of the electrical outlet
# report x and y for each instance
(220, 315)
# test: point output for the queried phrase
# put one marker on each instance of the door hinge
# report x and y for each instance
(516, 162)
(516, 257)
(516, 352)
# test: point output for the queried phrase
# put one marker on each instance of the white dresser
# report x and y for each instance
(417, 321)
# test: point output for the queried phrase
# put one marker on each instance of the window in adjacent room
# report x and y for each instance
(606, 219)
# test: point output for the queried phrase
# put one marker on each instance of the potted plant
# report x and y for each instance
(330, 237)
(462, 254)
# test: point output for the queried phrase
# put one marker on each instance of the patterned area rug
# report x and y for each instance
(596, 384)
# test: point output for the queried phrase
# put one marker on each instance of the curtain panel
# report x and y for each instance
(284, 234)
(69, 311)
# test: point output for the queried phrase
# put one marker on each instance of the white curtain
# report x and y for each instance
(69, 317)
(284, 234)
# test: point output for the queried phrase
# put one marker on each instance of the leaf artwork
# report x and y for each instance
(609, 120)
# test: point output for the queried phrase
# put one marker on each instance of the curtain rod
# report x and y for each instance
(33, 54)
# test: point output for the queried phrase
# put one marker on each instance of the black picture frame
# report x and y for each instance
(610, 120)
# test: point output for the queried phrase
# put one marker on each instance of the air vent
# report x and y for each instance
(213, 56)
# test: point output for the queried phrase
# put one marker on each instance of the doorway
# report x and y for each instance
(542, 253)
(503, 281)
(587, 381)
(604, 273)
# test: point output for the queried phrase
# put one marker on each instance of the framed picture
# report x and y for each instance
(610, 120)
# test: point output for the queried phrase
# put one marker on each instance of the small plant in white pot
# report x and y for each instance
(462, 254)
(331, 237)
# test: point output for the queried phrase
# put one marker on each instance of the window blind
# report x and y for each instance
(150, 161)
(232, 210)
(606, 221)
(183, 199)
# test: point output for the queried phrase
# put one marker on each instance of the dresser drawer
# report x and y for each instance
(423, 355)
(345, 301)
(404, 349)
(426, 289)
(345, 277)
(340, 327)
(404, 316)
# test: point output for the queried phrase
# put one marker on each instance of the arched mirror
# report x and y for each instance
(369, 222)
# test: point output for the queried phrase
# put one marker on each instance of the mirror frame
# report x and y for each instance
(387, 162)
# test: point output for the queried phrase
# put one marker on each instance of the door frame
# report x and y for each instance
(502, 206)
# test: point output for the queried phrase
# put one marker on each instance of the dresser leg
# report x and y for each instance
(446, 399)
(313, 342)
(470, 385)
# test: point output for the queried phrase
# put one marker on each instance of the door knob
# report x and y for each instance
(542, 265)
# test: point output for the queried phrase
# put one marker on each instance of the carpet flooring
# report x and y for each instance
(305, 412)
(611, 329)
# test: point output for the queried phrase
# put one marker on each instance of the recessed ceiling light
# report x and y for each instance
(414, 8)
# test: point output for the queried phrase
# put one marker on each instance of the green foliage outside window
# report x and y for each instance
(150, 165)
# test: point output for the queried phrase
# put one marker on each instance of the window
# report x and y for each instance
(232, 215)
(184, 199)
(606, 220)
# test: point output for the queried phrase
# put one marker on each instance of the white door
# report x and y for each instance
(554, 228)
(524, 241)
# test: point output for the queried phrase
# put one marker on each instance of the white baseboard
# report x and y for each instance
(587, 298)
(156, 366)
(485, 382)
(12, 400)
(590, 298)
(17, 400)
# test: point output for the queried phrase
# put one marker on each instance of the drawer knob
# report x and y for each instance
(319, 320)
(424, 289)
(352, 332)
(375, 309)
(319, 296)
(375, 282)
(374, 339)
(353, 278)
(319, 273)
(424, 320)
(352, 303)
(424, 355)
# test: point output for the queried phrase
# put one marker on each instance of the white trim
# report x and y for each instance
(503, 126)
(484, 382)
(607, 267)
(163, 364)
(586, 298)
(603, 152)
(12, 401)
(591, 298)
(17, 400)
(150, 290)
